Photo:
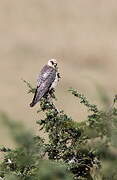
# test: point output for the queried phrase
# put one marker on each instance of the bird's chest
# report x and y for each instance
(55, 82)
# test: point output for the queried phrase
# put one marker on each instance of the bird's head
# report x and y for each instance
(52, 63)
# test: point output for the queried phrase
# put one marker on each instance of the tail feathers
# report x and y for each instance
(34, 99)
(32, 104)
(37, 96)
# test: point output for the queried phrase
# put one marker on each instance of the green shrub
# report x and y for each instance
(75, 150)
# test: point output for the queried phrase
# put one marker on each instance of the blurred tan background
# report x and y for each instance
(81, 35)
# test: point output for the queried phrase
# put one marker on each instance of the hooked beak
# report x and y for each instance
(55, 65)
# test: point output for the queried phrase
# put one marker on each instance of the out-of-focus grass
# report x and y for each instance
(81, 35)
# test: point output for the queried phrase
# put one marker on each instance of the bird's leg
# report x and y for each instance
(51, 92)
(48, 100)
(49, 96)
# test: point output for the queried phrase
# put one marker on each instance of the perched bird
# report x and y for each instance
(47, 80)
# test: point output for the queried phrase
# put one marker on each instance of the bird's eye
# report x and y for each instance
(52, 62)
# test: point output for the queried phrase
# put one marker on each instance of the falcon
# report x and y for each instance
(47, 81)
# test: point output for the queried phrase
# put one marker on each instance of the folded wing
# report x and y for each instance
(44, 82)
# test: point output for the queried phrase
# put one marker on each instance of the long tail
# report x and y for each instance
(34, 99)
(39, 93)
(32, 104)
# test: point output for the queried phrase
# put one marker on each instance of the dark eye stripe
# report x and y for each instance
(52, 62)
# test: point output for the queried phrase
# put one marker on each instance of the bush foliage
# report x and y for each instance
(83, 150)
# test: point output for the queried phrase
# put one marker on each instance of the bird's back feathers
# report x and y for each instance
(44, 82)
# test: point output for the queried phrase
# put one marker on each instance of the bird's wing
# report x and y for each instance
(45, 72)
(45, 80)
